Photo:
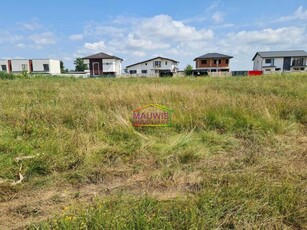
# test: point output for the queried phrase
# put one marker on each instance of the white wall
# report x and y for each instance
(4, 62)
(17, 65)
(87, 62)
(109, 65)
(258, 63)
(38, 65)
(118, 67)
(279, 63)
(112, 65)
(54, 67)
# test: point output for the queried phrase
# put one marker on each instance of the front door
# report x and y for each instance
(287, 63)
(96, 68)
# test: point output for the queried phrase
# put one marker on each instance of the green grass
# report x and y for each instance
(235, 157)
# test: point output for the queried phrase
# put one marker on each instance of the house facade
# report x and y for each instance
(102, 64)
(155, 67)
(280, 61)
(212, 63)
(47, 66)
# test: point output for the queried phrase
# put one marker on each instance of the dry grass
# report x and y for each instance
(234, 158)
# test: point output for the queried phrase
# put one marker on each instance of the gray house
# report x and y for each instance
(280, 61)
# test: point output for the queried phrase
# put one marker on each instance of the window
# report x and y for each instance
(227, 61)
(220, 61)
(298, 62)
(145, 63)
(277, 69)
(204, 62)
(165, 62)
(3, 67)
(268, 61)
(157, 64)
(144, 71)
(46, 67)
(215, 61)
(132, 71)
(24, 67)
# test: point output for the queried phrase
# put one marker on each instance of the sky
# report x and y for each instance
(138, 30)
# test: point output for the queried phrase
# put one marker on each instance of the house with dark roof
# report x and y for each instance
(102, 64)
(211, 62)
(155, 67)
(280, 61)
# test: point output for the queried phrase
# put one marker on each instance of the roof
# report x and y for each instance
(151, 60)
(213, 55)
(102, 56)
(291, 53)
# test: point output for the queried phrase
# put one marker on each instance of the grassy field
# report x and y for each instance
(235, 157)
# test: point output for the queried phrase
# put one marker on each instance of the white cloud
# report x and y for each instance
(139, 53)
(299, 14)
(164, 27)
(20, 45)
(46, 38)
(218, 17)
(284, 35)
(6, 36)
(213, 6)
(134, 42)
(142, 37)
(30, 25)
(76, 37)
(95, 29)
(95, 46)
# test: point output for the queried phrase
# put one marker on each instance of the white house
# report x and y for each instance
(48, 66)
(101, 64)
(280, 61)
(158, 66)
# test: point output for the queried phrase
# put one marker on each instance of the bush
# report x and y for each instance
(4, 75)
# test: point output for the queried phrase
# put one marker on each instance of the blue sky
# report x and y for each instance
(137, 30)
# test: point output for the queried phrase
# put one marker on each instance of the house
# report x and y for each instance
(280, 61)
(47, 66)
(211, 62)
(155, 67)
(101, 64)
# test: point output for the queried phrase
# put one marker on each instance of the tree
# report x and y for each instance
(188, 70)
(62, 66)
(80, 66)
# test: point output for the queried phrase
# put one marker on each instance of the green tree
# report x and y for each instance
(188, 70)
(80, 66)
(62, 66)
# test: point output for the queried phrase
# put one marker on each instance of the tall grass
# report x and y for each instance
(235, 156)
